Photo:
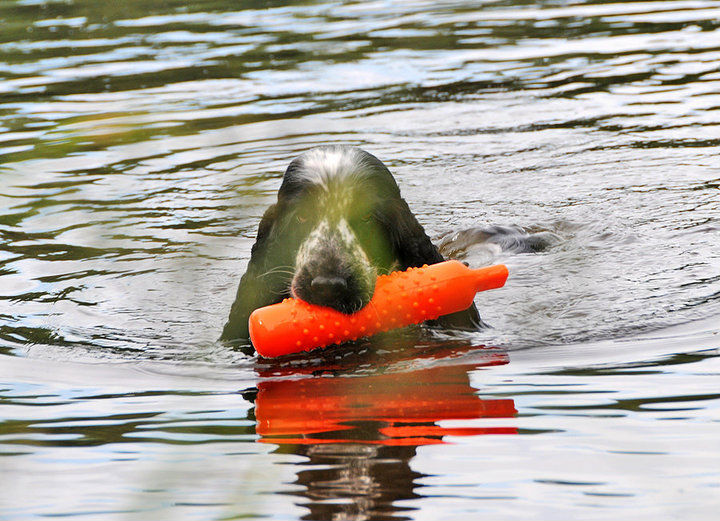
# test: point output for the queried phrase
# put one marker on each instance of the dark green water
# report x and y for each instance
(141, 142)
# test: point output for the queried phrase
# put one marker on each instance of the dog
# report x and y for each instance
(338, 223)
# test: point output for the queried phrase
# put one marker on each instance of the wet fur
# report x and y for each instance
(339, 221)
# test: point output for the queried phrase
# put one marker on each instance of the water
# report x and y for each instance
(140, 144)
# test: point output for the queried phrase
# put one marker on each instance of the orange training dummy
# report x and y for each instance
(401, 298)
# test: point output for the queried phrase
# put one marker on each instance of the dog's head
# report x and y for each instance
(339, 221)
(334, 209)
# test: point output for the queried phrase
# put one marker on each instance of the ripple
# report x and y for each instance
(140, 147)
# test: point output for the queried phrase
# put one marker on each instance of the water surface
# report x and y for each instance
(140, 144)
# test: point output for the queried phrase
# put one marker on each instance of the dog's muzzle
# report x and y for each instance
(332, 270)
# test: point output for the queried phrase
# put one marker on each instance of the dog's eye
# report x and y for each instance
(361, 220)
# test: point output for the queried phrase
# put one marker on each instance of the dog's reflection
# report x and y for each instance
(360, 433)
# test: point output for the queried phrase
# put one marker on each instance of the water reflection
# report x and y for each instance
(358, 482)
(360, 433)
(386, 409)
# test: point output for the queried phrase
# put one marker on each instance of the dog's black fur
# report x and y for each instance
(339, 221)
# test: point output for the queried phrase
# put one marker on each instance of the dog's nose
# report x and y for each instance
(328, 287)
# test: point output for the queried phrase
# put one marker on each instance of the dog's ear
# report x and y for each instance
(412, 245)
(266, 224)
(256, 289)
(414, 248)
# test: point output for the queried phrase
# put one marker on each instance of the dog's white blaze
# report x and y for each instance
(319, 165)
(350, 240)
(313, 241)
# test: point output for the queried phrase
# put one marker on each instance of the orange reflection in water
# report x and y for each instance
(400, 408)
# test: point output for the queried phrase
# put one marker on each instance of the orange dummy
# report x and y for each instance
(401, 299)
